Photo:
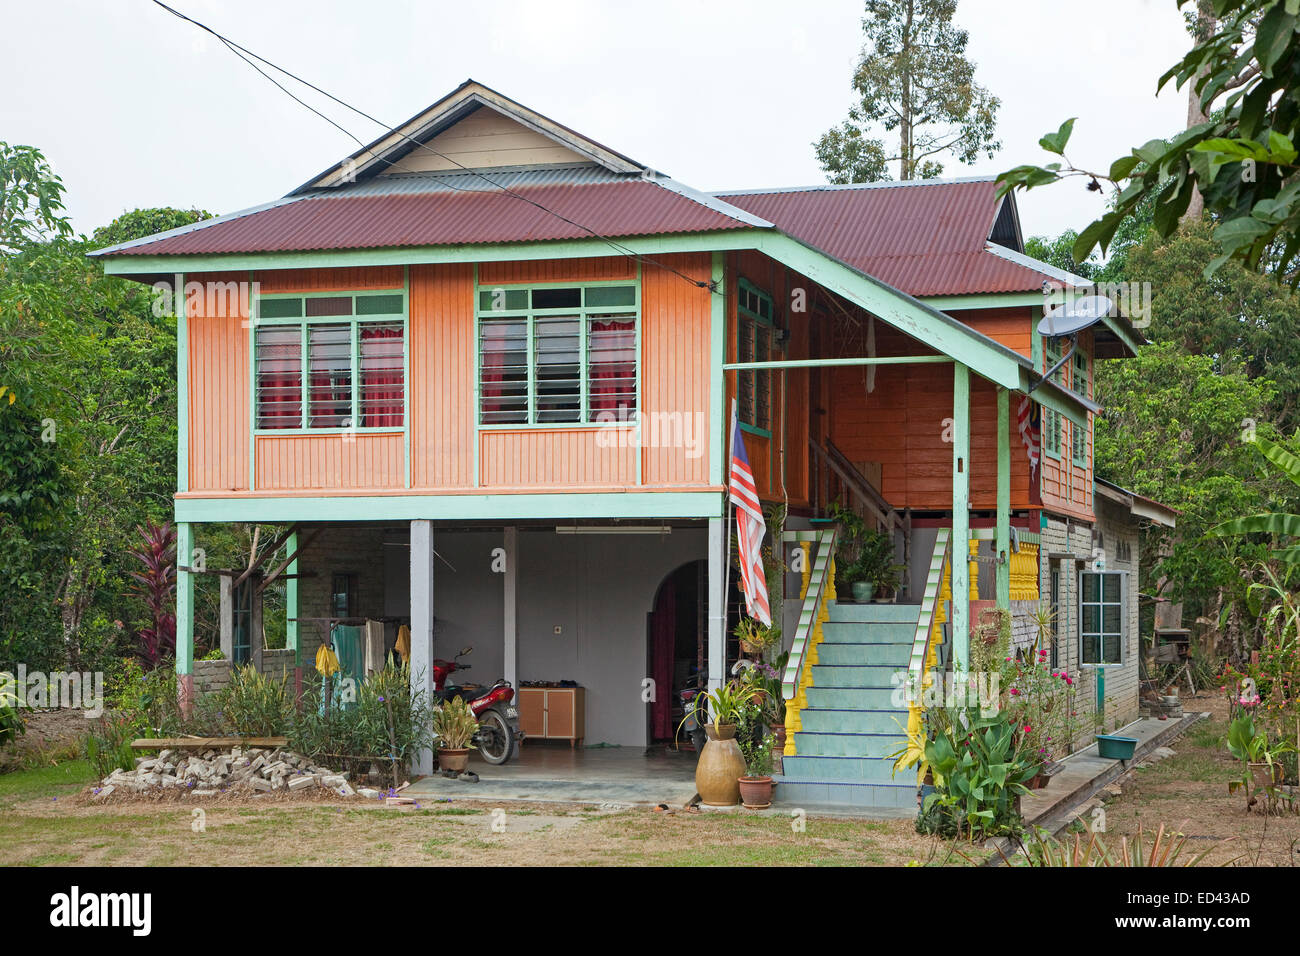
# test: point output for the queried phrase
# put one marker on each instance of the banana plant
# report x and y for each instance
(1274, 523)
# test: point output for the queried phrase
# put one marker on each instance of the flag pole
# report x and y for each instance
(726, 555)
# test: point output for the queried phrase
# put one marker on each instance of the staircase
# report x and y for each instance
(850, 724)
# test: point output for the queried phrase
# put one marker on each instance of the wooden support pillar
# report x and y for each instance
(717, 602)
(960, 517)
(1002, 542)
(184, 616)
(510, 656)
(422, 624)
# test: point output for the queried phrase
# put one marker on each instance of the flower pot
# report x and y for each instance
(1111, 747)
(753, 650)
(1265, 774)
(755, 792)
(862, 591)
(778, 735)
(455, 760)
(721, 764)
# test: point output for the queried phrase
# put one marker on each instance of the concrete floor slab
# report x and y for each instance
(553, 773)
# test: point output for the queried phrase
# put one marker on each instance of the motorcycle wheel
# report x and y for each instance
(496, 739)
(699, 738)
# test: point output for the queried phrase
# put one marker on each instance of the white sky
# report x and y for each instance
(136, 108)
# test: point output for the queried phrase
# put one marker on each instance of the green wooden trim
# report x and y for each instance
(835, 362)
(982, 355)
(476, 392)
(929, 602)
(1000, 300)
(755, 430)
(254, 316)
(960, 587)
(567, 506)
(184, 599)
(717, 376)
(530, 316)
(1122, 333)
(640, 379)
(1002, 545)
(126, 265)
(182, 385)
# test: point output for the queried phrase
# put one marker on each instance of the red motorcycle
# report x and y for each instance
(498, 718)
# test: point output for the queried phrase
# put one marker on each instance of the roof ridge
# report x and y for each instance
(836, 187)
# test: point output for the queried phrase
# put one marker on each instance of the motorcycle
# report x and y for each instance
(694, 700)
(498, 717)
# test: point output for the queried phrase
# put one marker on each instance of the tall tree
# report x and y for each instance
(915, 82)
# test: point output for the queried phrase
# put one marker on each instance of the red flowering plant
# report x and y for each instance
(1040, 702)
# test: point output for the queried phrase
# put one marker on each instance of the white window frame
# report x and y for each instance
(1122, 603)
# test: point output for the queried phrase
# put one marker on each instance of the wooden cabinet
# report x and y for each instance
(553, 713)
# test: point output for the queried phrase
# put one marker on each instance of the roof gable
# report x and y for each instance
(478, 127)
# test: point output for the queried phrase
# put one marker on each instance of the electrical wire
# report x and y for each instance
(248, 56)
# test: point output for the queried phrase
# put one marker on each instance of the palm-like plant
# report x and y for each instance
(1275, 523)
(156, 586)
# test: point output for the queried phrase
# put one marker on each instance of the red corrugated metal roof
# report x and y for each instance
(925, 239)
(633, 208)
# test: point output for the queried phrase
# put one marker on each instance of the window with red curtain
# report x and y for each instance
(279, 376)
(329, 356)
(381, 398)
(611, 367)
(503, 371)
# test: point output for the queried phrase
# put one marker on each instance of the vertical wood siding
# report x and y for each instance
(557, 459)
(320, 462)
(351, 279)
(675, 371)
(442, 375)
(558, 270)
(218, 386)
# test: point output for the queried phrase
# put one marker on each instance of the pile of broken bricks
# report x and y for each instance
(255, 771)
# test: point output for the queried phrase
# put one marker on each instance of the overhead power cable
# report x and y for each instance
(248, 56)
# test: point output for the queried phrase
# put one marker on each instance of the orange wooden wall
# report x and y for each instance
(218, 385)
(675, 328)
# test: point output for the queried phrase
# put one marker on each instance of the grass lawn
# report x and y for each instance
(1188, 792)
(44, 819)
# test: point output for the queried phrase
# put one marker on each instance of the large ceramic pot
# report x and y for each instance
(453, 760)
(720, 767)
(756, 792)
(862, 591)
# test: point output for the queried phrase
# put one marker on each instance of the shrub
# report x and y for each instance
(454, 724)
(108, 746)
(255, 705)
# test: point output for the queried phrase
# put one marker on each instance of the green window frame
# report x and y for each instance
(1103, 618)
(756, 341)
(1051, 419)
(1079, 442)
(558, 354)
(329, 362)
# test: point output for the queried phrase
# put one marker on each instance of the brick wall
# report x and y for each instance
(211, 676)
(339, 550)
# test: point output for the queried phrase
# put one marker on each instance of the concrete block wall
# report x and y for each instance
(211, 676)
(1077, 538)
(337, 550)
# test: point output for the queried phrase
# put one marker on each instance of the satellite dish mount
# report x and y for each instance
(1066, 321)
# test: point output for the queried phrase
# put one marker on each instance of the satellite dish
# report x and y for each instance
(1066, 321)
(1074, 316)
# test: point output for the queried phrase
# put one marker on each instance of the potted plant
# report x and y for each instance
(756, 638)
(721, 763)
(756, 784)
(864, 558)
(454, 724)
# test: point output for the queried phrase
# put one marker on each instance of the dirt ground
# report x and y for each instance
(77, 829)
(1189, 792)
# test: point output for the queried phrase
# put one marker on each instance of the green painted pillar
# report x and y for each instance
(960, 517)
(184, 616)
(182, 388)
(1002, 543)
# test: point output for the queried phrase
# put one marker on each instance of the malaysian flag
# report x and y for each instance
(1028, 417)
(750, 529)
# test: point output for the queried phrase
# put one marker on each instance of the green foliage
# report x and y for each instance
(11, 718)
(145, 222)
(454, 724)
(255, 705)
(914, 81)
(1242, 160)
(1147, 849)
(980, 769)
(108, 745)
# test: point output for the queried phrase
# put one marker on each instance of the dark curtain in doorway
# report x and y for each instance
(664, 634)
